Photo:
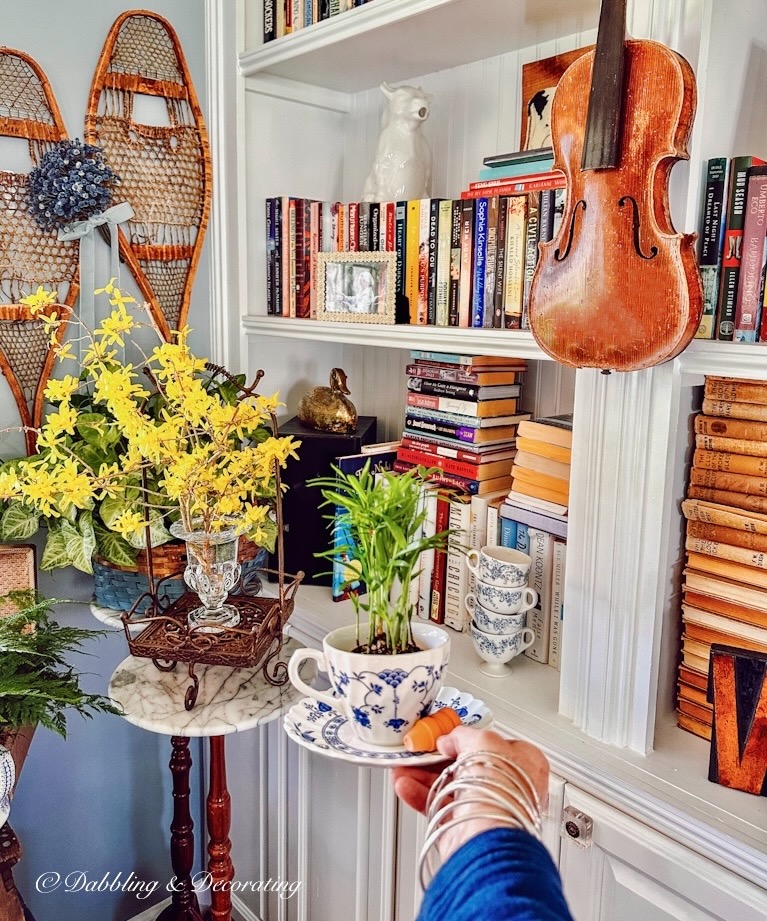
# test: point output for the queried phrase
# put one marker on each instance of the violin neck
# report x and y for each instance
(601, 145)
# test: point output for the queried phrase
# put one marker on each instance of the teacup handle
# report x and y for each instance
(525, 644)
(472, 561)
(470, 602)
(531, 599)
(294, 665)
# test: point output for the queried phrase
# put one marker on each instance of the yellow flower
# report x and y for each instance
(58, 390)
(114, 327)
(64, 351)
(39, 300)
(128, 524)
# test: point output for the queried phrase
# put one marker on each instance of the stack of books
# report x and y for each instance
(461, 420)
(725, 578)
(461, 417)
(541, 471)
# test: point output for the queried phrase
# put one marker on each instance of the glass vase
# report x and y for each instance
(211, 572)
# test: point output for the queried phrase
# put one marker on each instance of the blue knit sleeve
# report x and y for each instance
(504, 873)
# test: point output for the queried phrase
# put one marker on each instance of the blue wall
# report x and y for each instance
(100, 801)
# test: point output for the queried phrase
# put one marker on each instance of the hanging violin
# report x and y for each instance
(618, 288)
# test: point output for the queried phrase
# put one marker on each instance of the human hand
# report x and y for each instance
(412, 785)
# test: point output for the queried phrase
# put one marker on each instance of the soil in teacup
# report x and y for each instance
(380, 647)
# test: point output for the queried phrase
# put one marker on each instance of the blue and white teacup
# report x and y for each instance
(494, 623)
(499, 565)
(381, 695)
(497, 651)
(503, 599)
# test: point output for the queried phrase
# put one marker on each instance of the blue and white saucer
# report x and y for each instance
(320, 728)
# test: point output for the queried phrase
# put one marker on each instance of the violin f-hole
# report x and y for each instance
(636, 223)
(558, 254)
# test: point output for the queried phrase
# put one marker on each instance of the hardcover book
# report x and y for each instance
(539, 617)
(436, 371)
(733, 244)
(478, 261)
(557, 603)
(480, 409)
(711, 242)
(472, 392)
(491, 261)
(514, 261)
(748, 300)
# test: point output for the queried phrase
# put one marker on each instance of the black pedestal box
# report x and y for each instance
(306, 529)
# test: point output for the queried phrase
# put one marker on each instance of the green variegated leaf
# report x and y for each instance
(158, 534)
(112, 507)
(19, 522)
(56, 553)
(112, 547)
(82, 542)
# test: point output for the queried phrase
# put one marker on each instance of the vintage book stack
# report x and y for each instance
(732, 249)
(465, 262)
(534, 520)
(461, 421)
(725, 578)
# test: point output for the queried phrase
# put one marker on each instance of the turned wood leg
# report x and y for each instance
(184, 905)
(219, 812)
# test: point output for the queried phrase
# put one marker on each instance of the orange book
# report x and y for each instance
(696, 711)
(412, 236)
(747, 577)
(545, 465)
(700, 618)
(721, 551)
(730, 428)
(539, 492)
(691, 678)
(730, 482)
(549, 483)
(736, 537)
(726, 608)
(734, 389)
(690, 724)
(730, 463)
(725, 516)
(552, 434)
(544, 449)
(731, 445)
(729, 409)
(738, 500)
(707, 636)
(709, 582)
(694, 694)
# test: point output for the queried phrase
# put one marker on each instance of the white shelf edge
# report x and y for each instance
(708, 818)
(725, 359)
(353, 23)
(517, 343)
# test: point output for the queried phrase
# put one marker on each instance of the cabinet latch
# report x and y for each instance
(577, 826)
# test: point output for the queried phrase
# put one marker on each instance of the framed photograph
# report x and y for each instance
(356, 287)
(539, 80)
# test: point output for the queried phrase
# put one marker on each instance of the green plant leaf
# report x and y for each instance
(56, 554)
(158, 534)
(112, 507)
(97, 430)
(19, 522)
(113, 547)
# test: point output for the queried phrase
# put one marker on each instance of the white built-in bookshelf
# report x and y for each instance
(307, 122)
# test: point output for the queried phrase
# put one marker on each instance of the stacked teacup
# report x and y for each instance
(499, 606)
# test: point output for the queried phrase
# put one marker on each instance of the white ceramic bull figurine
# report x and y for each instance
(402, 165)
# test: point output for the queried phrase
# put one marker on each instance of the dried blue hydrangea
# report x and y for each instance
(71, 183)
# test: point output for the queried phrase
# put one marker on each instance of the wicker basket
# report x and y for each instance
(118, 587)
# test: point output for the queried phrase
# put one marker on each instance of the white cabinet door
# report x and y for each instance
(630, 872)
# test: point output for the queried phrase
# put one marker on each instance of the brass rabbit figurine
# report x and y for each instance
(327, 409)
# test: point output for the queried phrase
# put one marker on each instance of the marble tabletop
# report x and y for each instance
(229, 699)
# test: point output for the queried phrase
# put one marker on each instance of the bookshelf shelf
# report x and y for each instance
(725, 359)
(520, 344)
(395, 40)
(667, 787)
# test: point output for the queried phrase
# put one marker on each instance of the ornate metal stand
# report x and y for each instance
(167, 638)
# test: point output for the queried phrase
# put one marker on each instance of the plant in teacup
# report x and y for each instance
(385, 670)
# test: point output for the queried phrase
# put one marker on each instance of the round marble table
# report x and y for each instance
(229, 700)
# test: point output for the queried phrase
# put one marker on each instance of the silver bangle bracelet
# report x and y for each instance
(510, 799)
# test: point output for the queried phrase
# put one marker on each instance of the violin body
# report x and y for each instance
(618, 288)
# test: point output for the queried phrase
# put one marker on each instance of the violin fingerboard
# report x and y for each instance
(601, 145)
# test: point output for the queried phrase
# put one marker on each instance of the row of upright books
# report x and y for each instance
(732, 249)
(281, 17)
(533, 519)
(725, 577)
(465, 262)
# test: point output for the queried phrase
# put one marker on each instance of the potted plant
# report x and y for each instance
(157, 447)
(386, 670)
